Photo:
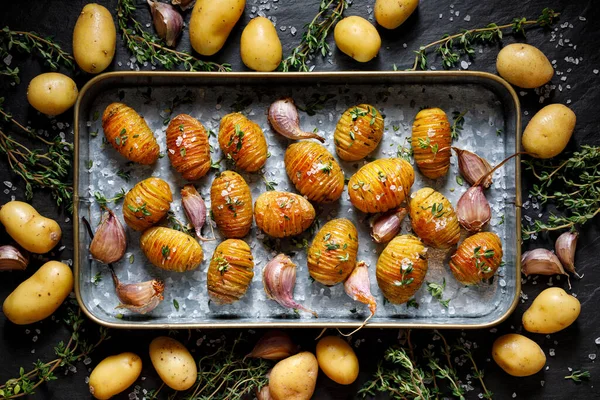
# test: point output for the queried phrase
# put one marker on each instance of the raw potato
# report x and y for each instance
(40, 295)
(392, 13)
(518, 355)
(32, 231)
(114, 374)
(243, 142)
(552, 310)
(230, 271)
(358, 132)
(231, 204)
(358, 38)
(187, 147)
(211, 23)
(549, 131)
(524, 66)
(260, 46)
(94, 39)
(147, 203)
(52, 93)
(294, 378)
(171, 250)
(337, 360)
(431, 141)
(282, 214)
(173, 363)
(433, 218)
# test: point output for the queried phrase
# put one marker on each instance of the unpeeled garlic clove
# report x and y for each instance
(274, 345)
(13, 259)
(279, 280)
(473, 167)
(358, 286)
(386, 226)
(167, 21)
(473, 210)
(541, 262)
(565, 250)
(183, 4)
(264, 393)
(109, 243)
(283, 117)
(195, 209)
(141, 297)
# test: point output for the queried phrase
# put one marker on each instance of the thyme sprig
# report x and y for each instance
(578, 376)
(180, 226)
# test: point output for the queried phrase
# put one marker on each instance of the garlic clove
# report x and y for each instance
(141, 297)
(195, 209)
(358, 286)
(565, 250)
(109, 243)
(283, 117)
(183, 4)
(13, 259)
(264, 393)
(386, 226)
(279, 280)
(472, 167)
(274, 345)
(473, 210)
(541, 262)
(168, 23)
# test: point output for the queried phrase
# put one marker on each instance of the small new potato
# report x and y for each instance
(392, 13)
(94, 39)
(549, 131)
(524, 66)
(40, 295)
(294, 378)
(173, 363)
(114, 374)
(32, 231)
(358, 38)
(282, 214)
(52, 93)
(518, 355)
(211, 23)
(260, 46)
(552, 310)
(337, 360)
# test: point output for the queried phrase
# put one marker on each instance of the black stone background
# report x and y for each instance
(572, 346)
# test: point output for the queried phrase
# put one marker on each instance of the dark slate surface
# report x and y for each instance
(572, 347)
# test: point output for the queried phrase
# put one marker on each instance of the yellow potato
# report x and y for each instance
(358, 38)
(524, 66)
(518, 355)
(337, 360)
(294, 378)
(94, 39)
(52, 93)
(392, 13)
(173, 363)
(549, 131)
(40, 295)
(114, 374)
(27, 227)
(552, 310)
(212, 22)
(260, 46)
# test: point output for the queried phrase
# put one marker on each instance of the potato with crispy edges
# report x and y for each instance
(282, 214)
(431, 140)
(231, 204)
(477, 258)
(171, 250)
(358, 132)
(433, 218)
(230, 271)
(147, 203)
(314, 172)
(188, 147)
(243, 141)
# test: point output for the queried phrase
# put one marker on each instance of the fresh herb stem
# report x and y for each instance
(477, 373)
(578, 376)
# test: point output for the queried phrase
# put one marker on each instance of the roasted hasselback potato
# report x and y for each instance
(230, 271)
(231, 204)
(358, 132)
(188, 147)
(431, 141)
(332, 254)
(170, 249)
(381, 185)
(243, 142)
(401, 268)
(314, 172)
(433, 219)
(129, 134)
(281, 214)
(147, 203)
(477, 258)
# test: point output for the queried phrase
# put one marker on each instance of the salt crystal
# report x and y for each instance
(514, 395)
(552, 352)
(582, 18)
(592, 356)
(464, 64)
(597, 341)
(467, 18)
(595, 71)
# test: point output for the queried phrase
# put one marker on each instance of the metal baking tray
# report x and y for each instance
(492, 129)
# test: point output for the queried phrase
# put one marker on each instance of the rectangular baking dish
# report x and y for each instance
(492, 128)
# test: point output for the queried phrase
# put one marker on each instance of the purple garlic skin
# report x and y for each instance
(279, 280)
(13, 258)
(541, 262)
(140, 297)
(274, 345)
(387, 225)
(358, 286)
(183, 4)
(109, 242)
(473, 210)
(195, 208)
(168, 23)
(473, 167)
(565, 250)
(283, 117)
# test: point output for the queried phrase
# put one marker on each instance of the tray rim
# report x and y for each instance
(283, 76)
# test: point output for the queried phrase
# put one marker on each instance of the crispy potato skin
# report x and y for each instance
(147, 203)
(401, 268)
(431, 140)
(470, 267)
(188, 147)
(438, 229)
(314, 172)
(171, 250)
(332, 254)
(129, 134)
(230, 271)
(381, 185)
(231, 204)
(243, 141)
(358, 132)
(282, 214)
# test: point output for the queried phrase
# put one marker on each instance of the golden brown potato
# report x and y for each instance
(314, 172)
(129, 134)
(381, 185)
(281, 214)
(231, 204)
(433, 219)
(332, 255)
(147, 203)
(243, 142)
(358, 132)
(171, 250)
(477, 258)
(518, 355)
(188, 147)
(431, 140)
(230, 271)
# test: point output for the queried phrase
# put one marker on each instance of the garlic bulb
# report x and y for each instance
(274, 345)
(141, 297)
(109, 243)
(11, 258)
(387, 225)
(541, 262)
(565, 250)
(358, 286)
(473, 210)
(472, 167)
(283, 116)
(195, 209)
(167, 21)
